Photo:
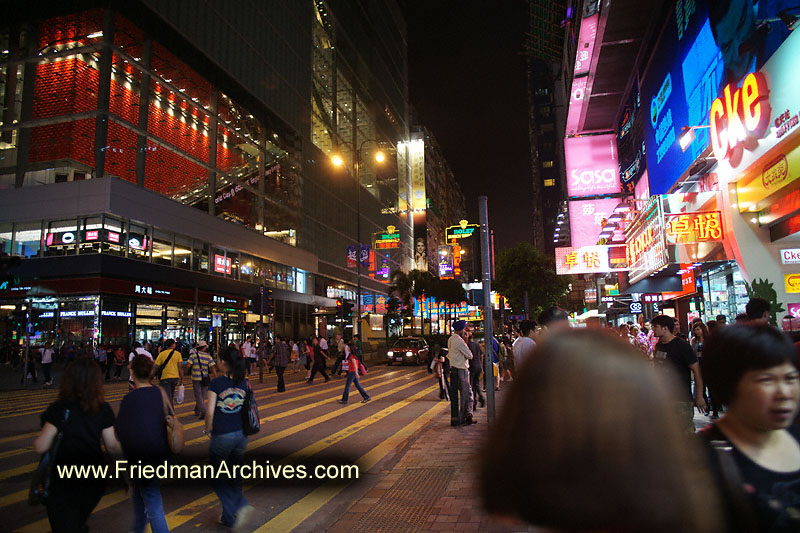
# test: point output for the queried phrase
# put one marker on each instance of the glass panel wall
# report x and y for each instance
(28, 238)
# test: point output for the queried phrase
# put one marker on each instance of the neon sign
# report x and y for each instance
(740, 118)
(645, 246)
(684, 228)
(462, 231)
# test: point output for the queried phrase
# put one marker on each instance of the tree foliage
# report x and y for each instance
(762, 288)
(525, 268)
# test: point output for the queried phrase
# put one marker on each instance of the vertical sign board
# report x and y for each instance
(586, 219)
(592, 165)
(645, 242)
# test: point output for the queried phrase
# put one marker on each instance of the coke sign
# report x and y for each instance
(739, 118)
(592, 165)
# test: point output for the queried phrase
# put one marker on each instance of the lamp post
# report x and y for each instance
(339, 161)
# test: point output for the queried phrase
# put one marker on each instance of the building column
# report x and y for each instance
(144, 111)
(26, 109)
(262, 178)
(103, 94)
(212, 152)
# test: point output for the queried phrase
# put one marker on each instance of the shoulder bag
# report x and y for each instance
(175, 438)
(251, 423)
(205, 380)
(743, 517)
(160, 369)
(43, 476)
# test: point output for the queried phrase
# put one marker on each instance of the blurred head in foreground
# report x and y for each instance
(588, 441)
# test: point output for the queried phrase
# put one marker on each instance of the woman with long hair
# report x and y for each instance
(226, 395)
(86, 421)
(351, 365)
(141, 430)
(753, 371)
(608, 456)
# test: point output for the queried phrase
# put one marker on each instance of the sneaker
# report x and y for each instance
(241, 517)
(365, 400)
(343, 402)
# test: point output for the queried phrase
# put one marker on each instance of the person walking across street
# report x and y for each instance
(280, 360)
(340, 356)
(320, 357)
(141, 431)
(353, 367)
(459, 355)
(47, 363)
(203, 369)
(119, 362)
(137, 349)
(169, 369)
(295, 355)
(224, 425)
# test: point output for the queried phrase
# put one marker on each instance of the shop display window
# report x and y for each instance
(182, 253)
(247, 268)
(91, 236)
(61, 237)
(5, 237)
(138, 241)
(113, 233)
(27, 238)
(233, 258)
(200, 256)
(162, 248)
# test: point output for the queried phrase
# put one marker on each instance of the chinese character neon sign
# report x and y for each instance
(684, 228)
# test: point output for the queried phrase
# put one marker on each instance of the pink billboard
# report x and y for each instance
(592, 165)
(586, 219)
(576, 97)
(586, 38)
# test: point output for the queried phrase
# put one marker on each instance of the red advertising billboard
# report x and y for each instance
(592, 165)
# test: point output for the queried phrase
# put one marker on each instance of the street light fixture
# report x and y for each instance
(338, 161)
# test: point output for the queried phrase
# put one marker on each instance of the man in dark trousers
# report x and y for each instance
(280, 360)
(475, 368)
(674, 356)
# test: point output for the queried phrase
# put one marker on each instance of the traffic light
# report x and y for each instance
(261, 302)
(339, 309)
(347, 310)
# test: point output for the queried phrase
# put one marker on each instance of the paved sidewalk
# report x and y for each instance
(433, 486)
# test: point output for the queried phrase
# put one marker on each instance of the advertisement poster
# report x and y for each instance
(705, 46)
(586, 219)
(592, 165)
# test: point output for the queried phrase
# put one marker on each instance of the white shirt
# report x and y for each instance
(47, 355)
(323, 344)
(138, 351)
(522, 349)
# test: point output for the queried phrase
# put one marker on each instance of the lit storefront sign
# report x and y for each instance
(737, 115)
(586, 38)
(592, 165)
(586, 219)
(645, 242)
(119, 314)
(222, 264)
(576, 101)
(387, 239)
(684, 228)
(794, 310)
(446, 264)
(462, 231)
(790, 256)
(588, 260)
(792, 282)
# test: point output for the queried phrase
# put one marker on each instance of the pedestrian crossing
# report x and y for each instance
(304, 423)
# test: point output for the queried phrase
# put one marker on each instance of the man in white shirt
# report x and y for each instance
(459, 354)
(47, 362)
(137, 349)
(523, 347)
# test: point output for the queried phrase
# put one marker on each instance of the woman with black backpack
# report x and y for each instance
(225, 427)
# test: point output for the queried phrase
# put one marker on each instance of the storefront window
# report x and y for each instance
(148, 322)
(91, 235)
(162, 247)
(113, 242)
(200, 259)
(27, 238)
(61, 237)
(5, 238)
(247, 268)
(233, 258)
(183, 253)
(138, 242)
(180, 323)
(77, 321)
(115, 320)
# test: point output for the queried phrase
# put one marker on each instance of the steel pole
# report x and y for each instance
(358, 239)
(488, 337)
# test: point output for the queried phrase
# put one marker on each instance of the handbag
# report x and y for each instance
(175, 437)
(43, 476)
(361, 369)
(181, 394)
(251, 423)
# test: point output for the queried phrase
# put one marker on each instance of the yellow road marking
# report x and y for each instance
(296, 514)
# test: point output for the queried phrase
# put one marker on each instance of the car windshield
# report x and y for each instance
(407, 343)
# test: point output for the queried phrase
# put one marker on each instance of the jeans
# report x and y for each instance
(352, 378)
(475, 383)
(459, 407)
(169, 385)
(147, 506)
(46, 369)
(279, 370)
(199, 398)
(228, 447)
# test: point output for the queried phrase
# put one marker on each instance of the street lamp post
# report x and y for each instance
(339, 161)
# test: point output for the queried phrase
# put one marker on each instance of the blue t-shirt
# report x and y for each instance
(140, 426)
(228, 411)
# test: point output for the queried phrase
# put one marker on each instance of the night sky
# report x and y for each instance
(467, 83)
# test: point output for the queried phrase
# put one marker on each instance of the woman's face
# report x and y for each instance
(698, 332)
(767, 399)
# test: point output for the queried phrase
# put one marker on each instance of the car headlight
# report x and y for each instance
(389, 354)
(409, 354)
